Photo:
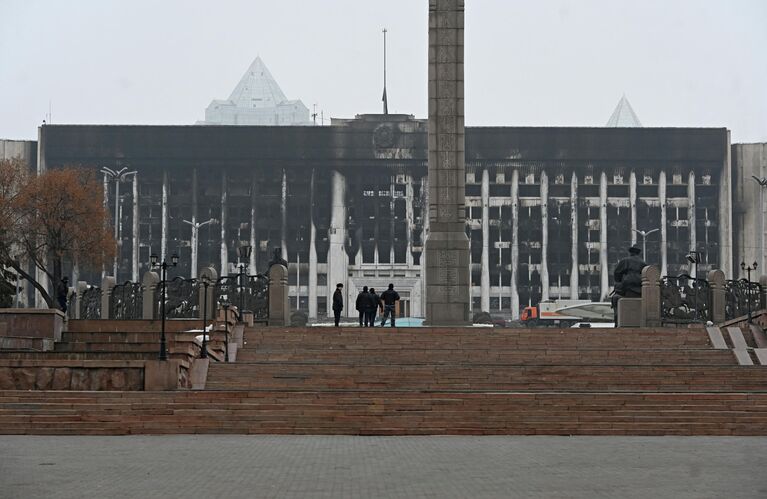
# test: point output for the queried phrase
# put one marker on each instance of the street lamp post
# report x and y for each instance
(225, 305)
(694, 258)
(118, 176)
(245, 251)
(644, 234)
(195, 241)
(748, 269)
(760, 213)
(164, 267)
(205, 280)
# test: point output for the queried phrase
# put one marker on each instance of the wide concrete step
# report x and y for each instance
(127, 337)
(79, 356)
(425, 338)
(388, 377)
(188, 347)
(553, 356)
(102, 325)
(374, 413)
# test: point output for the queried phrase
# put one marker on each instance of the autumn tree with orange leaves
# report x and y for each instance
(51, 219)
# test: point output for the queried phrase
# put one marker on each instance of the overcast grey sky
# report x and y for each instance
(528, 63)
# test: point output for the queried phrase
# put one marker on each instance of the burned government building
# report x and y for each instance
(549, 211)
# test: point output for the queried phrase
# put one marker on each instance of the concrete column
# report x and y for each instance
(312, 253)
(391, 222)
(574, 236)
(716, 281)
(650, 297)
(485, 276)
(500, 258)
(633, 205)
(691, 218)
(150, 280)
(515, 244)
(284, 215)
(81, 287)
(279, 301)
(224, 252)
(106, 210)
(409, 221)
(544, 236)
(448, 273)
(164, 222)
(252, 264)
(107, 285)
(725, 214)
(337, 260)
(663, 229)
(604, 269)
(763, 298)
(426, 224)
(135, 238)
(211, 275)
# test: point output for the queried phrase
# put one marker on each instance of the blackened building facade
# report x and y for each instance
(549, 210)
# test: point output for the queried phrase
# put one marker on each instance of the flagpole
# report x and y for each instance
(385, 99)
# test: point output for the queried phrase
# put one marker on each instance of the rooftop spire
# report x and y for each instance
(257, 88)
(623, 116)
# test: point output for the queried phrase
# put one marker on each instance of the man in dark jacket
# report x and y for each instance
(338, 302)
(389, 299)
(374, 303)
(62, 293)
(363, 300)
(628, 278)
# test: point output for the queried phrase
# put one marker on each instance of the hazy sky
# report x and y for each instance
(528, 63)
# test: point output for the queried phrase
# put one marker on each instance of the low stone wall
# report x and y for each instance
(32, 323)
(80, 377)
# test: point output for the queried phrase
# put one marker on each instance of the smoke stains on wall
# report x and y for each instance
(549, 211)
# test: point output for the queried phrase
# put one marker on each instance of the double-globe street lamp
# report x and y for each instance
(195, 240)
(245, 252)
(118, 176)
(644, 234)
(164, 267)
(748, 269)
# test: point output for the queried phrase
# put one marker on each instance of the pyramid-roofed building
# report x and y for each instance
(623, 116)
(257, 100)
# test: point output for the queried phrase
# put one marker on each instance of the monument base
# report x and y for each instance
(448, 279)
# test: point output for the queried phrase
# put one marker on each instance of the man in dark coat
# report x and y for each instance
(628, 277)
(338, 302)
(62, 292)
(363, 299)
(374, 303)
(389, 299)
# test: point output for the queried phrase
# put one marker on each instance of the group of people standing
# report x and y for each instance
(368, 304)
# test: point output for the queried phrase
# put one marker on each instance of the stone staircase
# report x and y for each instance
(103, 355)
(400, 381)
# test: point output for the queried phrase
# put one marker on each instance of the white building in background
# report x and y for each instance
(257, 100)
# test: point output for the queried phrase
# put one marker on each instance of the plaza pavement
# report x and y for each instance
(360, 467)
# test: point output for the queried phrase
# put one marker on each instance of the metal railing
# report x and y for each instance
(90, 303)
(181, 298)
(685, 299)
(127, 301)
(252, 296)
(741, 297)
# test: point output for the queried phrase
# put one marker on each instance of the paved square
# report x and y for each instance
(420, 467)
